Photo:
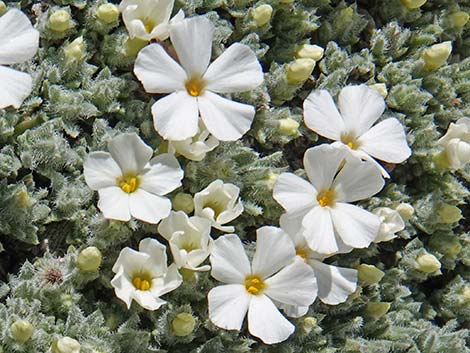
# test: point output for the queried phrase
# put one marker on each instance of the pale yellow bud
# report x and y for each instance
(381, 88)
(368, 274)
(310, 51)
(309, 323)
(437, 55)
(183, 202)
(75, 50)
(405, 210)
(262, 14)
(299, 70)
(3, 8)
(413, 4)
(21, 331)
(288, 126)
(59, 21)
(108, 13)
(428, 263)
(286, 1)
(458, 19)
(183, 324)
(89, 259)
(449, 213)
(66, 345)
(271, 179)
(377, 310)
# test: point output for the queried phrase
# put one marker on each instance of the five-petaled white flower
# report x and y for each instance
(149, 19)
(219, 203)
(193, 83)
(189, 239)
(144, 275)
(19, 42)
(360, 107)
(323, 207)
(130, 182)
(275, 277)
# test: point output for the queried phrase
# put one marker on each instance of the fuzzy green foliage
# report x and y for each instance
(47, 212)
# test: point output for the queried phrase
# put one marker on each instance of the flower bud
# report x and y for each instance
(288, 126)
(458, 19)
(310, 51)
(183, 324)
(377, 310)
(270, 180)
(299, 70)
(368, 274)
(405, 210)
(89, 259)
(183, 202)
(286, 1)
(449, 214)
(108, 13)
(3, 8)
(21, 331)
(381, 88)
(413, 4)
(428, 263)
(456, 144)
(466, 294)
(309, 323)
(437, 55)
(66, 345)
(59, 21)
(75, 50)
(262, 14)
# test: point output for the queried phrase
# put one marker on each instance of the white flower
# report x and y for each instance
(130, 182)
(456, 143)
(391, 222)
(219, 203)
(144, 276)
(323, 206)
(149, 19)
(360, 108)
(193, 83)
(194, 148)
(19, 42)
(274, 277)
(189, 239)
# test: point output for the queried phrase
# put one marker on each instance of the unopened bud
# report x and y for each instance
(21, 331)
(262, 14)
(405, 210)
(108, 13)
(449, 214)
(288, 126)
(66, 345)
(369, 274)
(428, 263)
(3, 8)
(381, 88)
(437, 55)
(59, 21)
(377, 310)
(183, 202)
(413, 4)
(75, 50)
(89, 259)
(458, 19)
(309, 323)
(310, 51)
(299, 70)
(183, 324)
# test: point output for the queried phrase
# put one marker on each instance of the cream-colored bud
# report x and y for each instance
(66, 345)
(428, 263)
(183, 324)
(381, 88)
(108, 13)
(449, 213)
(368, 274)
(299, 70)
(262, 14)
(21, 331)
(270, 180)
(405, 210)
(288, 126)
(310, 51)
(59, 21)
(183, 202)
(413, 4)
(89, 259)
(377, 310)
(75, 50)
(458, 19)
(437, 55)
(3, 8)
(309, 323)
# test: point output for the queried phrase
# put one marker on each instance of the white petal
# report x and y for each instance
(293, 310)
(192, 39)
(335, 284)
(130, 152)
(163, 176)
(266, 322)
(228, 306)
(236, 70)
(148, 207)
(366, 157)
(123, 287)
(167, 283)
(225, 119)
(19, 41)
(386, 141)
(295, 284)
(157, 70)
(100, 170)
(274, 250)
(157, 252)
(175, 117)
(356, 227)
(321, 115)
(294, 194)
(357, 180)
(146, 300)
(114, 203)
(130, 260)
(15, 87)
(229, 261)
(360, 107)
(321, 164)
(318, 231)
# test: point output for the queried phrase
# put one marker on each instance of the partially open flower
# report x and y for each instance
(456, 144)
(391, 223)
(194, 148)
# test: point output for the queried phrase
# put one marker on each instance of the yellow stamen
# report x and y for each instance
(140, 283)
(350, 141)
(254, 284)
(302, 252)
(148, 24)
(195, 86)
(128, 183)
(326, 198)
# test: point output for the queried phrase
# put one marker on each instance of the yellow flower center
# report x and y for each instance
(302, 252)
(141, 283)
(149, 24)
(195, 86)
(254, 284)
(128, 183)
(350, 141)
(326, 198)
